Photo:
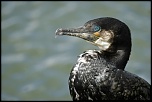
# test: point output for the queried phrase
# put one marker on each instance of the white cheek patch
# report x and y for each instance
(102, 44)
(105, 40)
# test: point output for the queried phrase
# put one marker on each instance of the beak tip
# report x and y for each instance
(59, 31)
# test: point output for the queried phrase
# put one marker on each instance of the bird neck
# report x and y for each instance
(123, 57)
(118, 59)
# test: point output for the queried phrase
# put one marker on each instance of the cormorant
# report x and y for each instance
(100, 74)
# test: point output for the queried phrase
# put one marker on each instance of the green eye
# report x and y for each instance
(96, 28)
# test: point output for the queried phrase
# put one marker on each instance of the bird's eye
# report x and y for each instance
(96, 28)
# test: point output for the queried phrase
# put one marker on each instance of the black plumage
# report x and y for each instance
(100, 74)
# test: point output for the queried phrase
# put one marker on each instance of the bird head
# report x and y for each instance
(109, 34)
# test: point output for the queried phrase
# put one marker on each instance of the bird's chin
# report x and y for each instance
(103, 45)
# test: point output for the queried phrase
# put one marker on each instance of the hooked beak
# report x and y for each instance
(79, 32)
(102, 39)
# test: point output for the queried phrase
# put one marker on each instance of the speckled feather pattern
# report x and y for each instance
(90, 79)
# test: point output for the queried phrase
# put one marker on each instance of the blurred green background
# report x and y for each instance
(35, 65)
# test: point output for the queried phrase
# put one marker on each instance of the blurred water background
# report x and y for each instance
(35, 65)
